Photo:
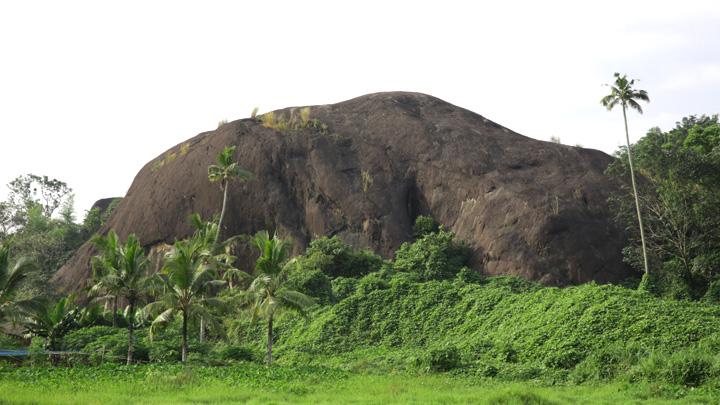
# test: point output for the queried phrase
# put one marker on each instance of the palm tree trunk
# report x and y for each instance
(131, 326)
(637, 200)
(222, 211)
(269, 340)
(115, 308)
(202, 330)
(184, 337)
(52, 347)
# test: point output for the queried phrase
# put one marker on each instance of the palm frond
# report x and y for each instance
(295, 301)
(634, 105)
(161, 320)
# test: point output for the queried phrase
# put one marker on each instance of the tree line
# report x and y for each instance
(194, 270)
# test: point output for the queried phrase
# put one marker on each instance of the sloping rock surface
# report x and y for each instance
(367, 167)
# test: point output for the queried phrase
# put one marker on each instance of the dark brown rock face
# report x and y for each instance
(372, 164)
(104, 203)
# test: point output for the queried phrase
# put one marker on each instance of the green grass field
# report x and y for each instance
(250, 383)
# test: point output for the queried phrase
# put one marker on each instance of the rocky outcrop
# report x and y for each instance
(363, 169)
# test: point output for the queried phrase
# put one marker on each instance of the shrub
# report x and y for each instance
(78, 339)
(505, 352)
(336, 258)
(607, 363)
(443, 359)
(37, 352)
(9, 342)
(165, 346)
(713, 292)
(486, 369)
(113, 347)
(690, 368)
(232, 352)
(564, 358)
(521, 372)
(435, 256)
(343, 287)
(312, 282)
(403, 280)
(424, 224)
(469, 276)
(371, 282)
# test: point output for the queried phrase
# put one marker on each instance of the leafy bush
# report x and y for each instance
(607, 363)
(403, 280)
(424, 224)
(690, 368)
(372, 282)
(435, 256)
(713, 292)
(78, 339)
(468, 275)
(165, 346)
(443, 359)
(113, 347)
(312, 282)
(343, 287)
(9, 342)
(336, 258)
(232, 352)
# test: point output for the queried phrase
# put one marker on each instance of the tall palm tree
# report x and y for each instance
(105, 267)
(206, 233)
(268, 294)
(623, 93)
(224, 172)
(51, 320)
(187, 275)
(128, 280)
(11, 277)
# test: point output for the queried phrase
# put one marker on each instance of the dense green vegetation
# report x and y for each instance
(680, 201)
(504, 328)
(38, 217)
(337, 322)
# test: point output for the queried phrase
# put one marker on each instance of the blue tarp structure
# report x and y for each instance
(13, 353)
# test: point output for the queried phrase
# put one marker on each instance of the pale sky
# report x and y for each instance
(91, 91)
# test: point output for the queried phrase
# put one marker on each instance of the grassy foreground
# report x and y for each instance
(250, 383)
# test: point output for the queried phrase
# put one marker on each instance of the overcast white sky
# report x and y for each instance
(91, 91)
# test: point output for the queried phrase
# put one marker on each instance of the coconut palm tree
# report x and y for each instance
(187, 276)
(128, 280)
(51, 320)
(224, 172)
(105, 267)
(11, 277)
(219, 257)
(623, 93)
(268, 294)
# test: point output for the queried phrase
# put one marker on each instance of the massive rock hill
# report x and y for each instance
(363, 169)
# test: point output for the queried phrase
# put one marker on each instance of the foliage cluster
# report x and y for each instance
(38, 217)
(511, 329)
(433, 256)
(335, 258)
(680, 202)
